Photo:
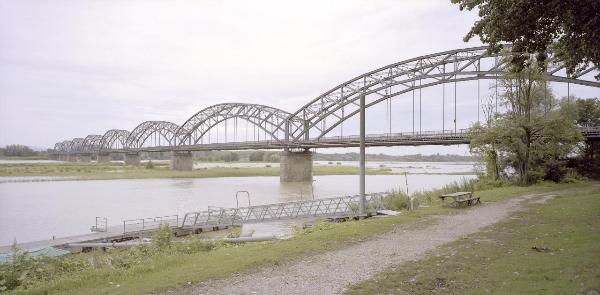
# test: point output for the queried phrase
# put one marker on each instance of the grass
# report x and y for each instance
(171, 270)
(501, 260)
(160, 170)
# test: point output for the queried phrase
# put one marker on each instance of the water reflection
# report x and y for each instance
(292, 191)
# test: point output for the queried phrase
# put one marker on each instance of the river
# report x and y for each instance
(32, 211)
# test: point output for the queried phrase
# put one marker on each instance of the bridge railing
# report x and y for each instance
(423, 134)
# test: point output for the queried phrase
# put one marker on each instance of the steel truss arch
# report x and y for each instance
(269, 119)
(341, 102)
(62, 147)
(91, 144)
(114, 139)
(75, 145)
(140, 134)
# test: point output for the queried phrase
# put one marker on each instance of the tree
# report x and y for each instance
(588, 115)
(571, 27)
(535, 134)
(588, 112)
(17, 150)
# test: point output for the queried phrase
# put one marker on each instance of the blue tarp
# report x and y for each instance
(44, 251)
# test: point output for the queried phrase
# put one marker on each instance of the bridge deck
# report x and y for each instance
(447, 137)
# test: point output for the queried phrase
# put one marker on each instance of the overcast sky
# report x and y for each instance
(73, 68)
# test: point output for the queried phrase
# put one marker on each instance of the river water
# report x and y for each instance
(31, 211)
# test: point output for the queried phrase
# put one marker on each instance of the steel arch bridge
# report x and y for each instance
(309, 126)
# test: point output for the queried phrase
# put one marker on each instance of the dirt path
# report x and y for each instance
(332, 272)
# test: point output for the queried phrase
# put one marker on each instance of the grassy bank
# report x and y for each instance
(117, 171)
(138, 272)
(502, 259)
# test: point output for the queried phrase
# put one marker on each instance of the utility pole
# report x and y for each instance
(361, 208)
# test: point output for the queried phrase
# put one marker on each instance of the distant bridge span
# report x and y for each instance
(311, 125)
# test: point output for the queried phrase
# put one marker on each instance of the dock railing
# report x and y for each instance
(149, 224)
(342, 206)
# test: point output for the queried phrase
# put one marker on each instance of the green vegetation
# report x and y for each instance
(550, 248)
(588, 161)
(21, 152)
(534, 137)
(158, 170)
(170, 263)
(571, 28)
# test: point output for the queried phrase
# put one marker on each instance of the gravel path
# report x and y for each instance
(331, 272)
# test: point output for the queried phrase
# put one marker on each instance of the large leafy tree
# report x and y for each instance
(572, 27)
(535, 134)
(588, 115)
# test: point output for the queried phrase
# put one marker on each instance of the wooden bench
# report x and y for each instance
(462, 198)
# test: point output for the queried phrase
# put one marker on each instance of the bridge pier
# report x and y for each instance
(62, 157)
(103, 157)
(84, 158)
(71, 158)
(295, 166)
(182, 161)
(132, 159)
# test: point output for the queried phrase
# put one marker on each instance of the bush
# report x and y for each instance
(396, 200)
(149, 165)
(163, 237)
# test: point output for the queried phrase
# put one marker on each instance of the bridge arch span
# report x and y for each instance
(342, 102)
(91, 144)
(62, 147)
(269, 119)
(161, 129)
(75, 145)
(114, 139)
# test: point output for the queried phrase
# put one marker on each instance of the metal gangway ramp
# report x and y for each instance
(346, 206)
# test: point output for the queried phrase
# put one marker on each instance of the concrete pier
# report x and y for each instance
(62, 157)
(132, 159)
(182, 161)
(71, 158)
(295, 166)
(84, 158)
(103, 157)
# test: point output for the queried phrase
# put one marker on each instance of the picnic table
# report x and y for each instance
(462, 198)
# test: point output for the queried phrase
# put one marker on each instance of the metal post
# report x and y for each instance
(361, 207)
(287, 134)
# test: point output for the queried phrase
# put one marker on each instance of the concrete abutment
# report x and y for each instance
(295, 166)
(103, 157)
(86, 158)
(132, 159)
(182, 161)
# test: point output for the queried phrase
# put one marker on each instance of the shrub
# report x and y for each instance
(163, 237)
(149, 165)
(396, 200)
